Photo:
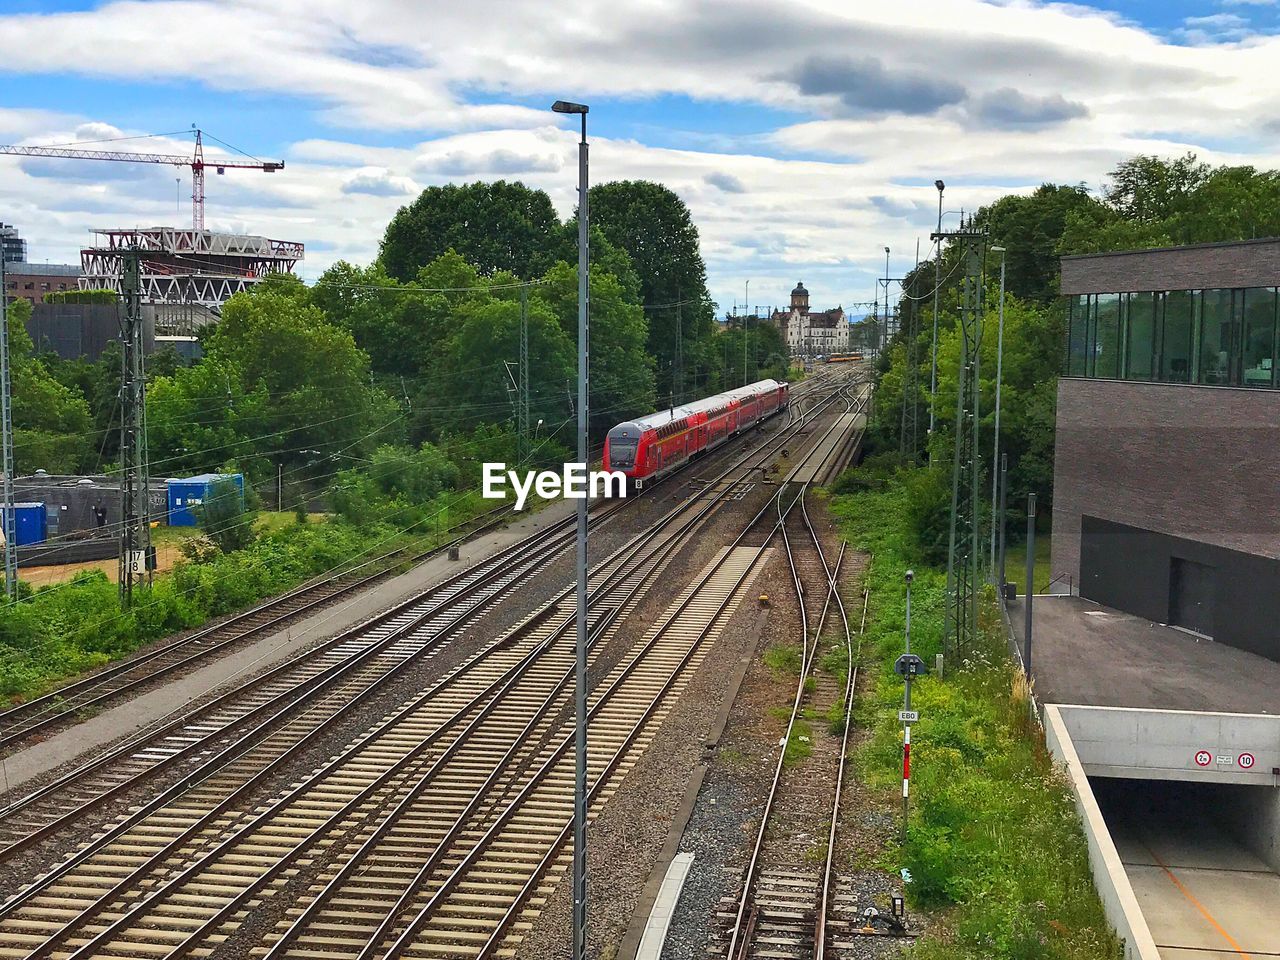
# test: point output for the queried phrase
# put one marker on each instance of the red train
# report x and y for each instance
(651, 446)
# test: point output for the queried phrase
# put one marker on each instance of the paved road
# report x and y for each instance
(158, 703)
(1204, 895)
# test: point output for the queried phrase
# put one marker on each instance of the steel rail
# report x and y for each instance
(402, 940)
(706, 508)
(52, 707)
(398, 946)
(522, 555)
(851, 684)
(219, 760)
(138, 740)
(740, 939)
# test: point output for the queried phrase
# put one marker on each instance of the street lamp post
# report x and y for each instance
(937, 292)
(995, 448)
(886, 290)
(580, 669)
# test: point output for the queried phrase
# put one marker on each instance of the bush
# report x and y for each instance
(82, 296)
(223, 517)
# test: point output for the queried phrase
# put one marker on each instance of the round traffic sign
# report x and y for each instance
(1204, 758)
(1246, 761)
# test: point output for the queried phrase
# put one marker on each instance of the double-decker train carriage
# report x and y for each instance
(648, 447)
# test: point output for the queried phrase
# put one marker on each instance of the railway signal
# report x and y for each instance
(907, 666)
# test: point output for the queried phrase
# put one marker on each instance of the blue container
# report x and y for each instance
(30, 525)
(186, 492)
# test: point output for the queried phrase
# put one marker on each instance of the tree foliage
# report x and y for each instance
(1148, 201)
(653, 225)
(496, 226)
(223, 517)
(51, 422)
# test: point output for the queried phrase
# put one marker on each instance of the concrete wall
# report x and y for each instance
(1189, 461)
(1109, 877)
(1254, 818)
(1164, 744)
(1252, 263)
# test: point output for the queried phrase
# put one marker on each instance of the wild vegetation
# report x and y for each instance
(994, 847)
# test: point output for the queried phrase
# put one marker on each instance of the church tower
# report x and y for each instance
(800, 299)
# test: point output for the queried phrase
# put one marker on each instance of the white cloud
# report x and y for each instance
(992, 97)
(378, 182)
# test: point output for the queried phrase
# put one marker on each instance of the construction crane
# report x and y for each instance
(195, 162)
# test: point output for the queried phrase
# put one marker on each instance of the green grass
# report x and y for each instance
(994, 844)
(783, 658)
(799, 744)
(1015, 564)
(66, 628)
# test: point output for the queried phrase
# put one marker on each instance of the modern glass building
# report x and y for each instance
(1215, 337)
(1166, 497)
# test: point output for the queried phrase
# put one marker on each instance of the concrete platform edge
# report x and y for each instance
(1109, 877)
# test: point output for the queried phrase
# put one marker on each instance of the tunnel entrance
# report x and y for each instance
(1204, 863)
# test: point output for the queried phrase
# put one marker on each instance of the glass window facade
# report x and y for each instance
(1219, 337)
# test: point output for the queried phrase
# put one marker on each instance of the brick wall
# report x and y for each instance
(1253, 263)
(1190, 461)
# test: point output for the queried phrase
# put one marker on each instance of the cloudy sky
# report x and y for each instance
(805, 135)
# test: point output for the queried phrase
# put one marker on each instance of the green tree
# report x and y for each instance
(1030, 229)
(471, 374)
(653, 226)
(622, 376)
(52, 426)
(496, 226)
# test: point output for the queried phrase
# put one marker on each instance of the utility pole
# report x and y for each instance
(6, 427)
(135, 507)
(679, 378)
(1031, 576)
(937, 295)
(908, 439)
(995, 443)
(963, 541)
(522, 401)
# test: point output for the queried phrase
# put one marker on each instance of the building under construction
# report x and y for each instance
(187, 274)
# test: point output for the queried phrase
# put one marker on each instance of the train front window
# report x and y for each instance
(622, 453)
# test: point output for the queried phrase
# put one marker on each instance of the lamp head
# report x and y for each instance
(939, 184)
(566, 106)
(997, 249)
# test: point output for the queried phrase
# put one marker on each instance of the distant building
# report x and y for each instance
(186, 274)
(811, 333)
(31, 281)
(13, 249)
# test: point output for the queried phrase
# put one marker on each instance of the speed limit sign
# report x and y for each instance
(1204, 758)
(1246, 761)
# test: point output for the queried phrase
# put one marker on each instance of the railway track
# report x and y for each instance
(786, 905)
(118, 681)
(474, 770)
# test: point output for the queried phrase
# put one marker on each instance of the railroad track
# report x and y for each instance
(185, 872)
(787, 905)
(118, 681)
(346, 670)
